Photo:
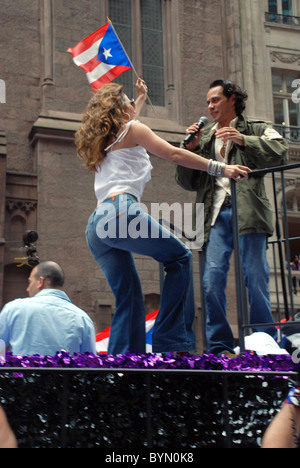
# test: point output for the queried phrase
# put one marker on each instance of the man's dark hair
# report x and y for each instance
(230, 89)
(53, 272)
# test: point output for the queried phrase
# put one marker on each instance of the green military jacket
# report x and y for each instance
(264, 148)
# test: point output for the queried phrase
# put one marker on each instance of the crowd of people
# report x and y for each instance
(115, 146)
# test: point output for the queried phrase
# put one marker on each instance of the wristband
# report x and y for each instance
(293, 397)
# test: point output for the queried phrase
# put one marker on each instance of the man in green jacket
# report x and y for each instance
(234, 140)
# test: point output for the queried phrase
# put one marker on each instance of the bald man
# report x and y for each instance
(46, 322)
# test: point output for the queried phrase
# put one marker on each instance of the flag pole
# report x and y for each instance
(133, 68)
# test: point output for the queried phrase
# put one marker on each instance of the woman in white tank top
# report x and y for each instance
(115, 147)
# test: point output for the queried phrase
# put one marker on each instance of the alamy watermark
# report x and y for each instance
(2, 92)
(296, 345)
(296, 93)
(134, 220)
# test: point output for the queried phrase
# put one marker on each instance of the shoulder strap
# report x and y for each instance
(121, 136)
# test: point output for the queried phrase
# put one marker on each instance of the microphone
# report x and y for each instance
(202, 122)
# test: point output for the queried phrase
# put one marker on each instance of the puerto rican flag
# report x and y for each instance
(103, 337)
(101, 56)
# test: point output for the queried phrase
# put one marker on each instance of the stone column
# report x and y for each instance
(47, 50)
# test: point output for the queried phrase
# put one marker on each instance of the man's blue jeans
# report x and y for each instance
(256, 271)
(118, 228)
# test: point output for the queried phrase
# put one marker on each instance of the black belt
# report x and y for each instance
(227, 201)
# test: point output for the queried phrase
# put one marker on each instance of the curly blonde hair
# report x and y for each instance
(100, 123)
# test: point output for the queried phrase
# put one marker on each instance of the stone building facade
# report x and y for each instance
(187, 44)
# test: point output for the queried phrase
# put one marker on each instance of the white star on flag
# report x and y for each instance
(107, 54)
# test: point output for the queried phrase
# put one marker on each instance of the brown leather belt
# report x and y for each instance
(227, 201)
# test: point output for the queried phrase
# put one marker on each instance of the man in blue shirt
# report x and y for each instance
(46, 322)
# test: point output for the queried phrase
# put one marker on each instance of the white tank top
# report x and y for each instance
(125, 170)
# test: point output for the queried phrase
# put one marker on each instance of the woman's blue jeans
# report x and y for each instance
(253, 248)
(118, 228)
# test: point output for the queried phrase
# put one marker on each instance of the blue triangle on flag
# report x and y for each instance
(149, 336)
(111, 51)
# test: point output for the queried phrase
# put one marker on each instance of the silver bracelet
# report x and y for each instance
(209, 167)
(216, 168)
(221, 169)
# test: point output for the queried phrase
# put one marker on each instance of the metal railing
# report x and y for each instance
(282, 19)
(283, 280)
(140, 409)
(289, 133)
(285, 308)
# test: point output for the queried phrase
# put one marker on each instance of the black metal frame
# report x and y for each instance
(241, 293)
(243, 315)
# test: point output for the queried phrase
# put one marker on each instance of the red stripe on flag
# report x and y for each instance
(86, 43)
(103, 334)
(108, 77)
(152, 315)
(89, 66)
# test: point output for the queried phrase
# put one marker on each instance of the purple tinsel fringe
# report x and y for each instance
(247, 363)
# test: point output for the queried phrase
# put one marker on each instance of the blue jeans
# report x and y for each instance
(118, 228)
(256, 271)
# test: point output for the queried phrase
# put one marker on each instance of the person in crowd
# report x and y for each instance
(295, 266)
(233, 139)
(7, 436)
(115, 146)
(46, 322)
